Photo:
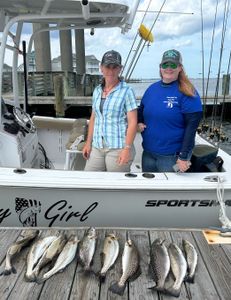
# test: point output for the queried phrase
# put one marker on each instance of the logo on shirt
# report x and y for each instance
(171, 101)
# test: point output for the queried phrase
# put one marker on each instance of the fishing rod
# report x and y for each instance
(224, 98)
(134, 62)
(135, 39)
(145, 12)
(202, 50)
(210, 63)
(224, 26)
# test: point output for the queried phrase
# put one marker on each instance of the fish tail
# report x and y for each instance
(39, 280)
(87, 271)
(157, 288)
(117, 289)
(190, 278)
(173, 291)
(9, 271)
(102, 277)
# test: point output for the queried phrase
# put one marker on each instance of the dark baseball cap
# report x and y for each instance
(172, 56)
(111, 57)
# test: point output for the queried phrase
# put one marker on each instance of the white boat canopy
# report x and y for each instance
(73, 12)
(60, 15)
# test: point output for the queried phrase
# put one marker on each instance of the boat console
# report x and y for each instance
(18, 145)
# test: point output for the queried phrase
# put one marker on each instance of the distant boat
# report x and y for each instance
(42, 182)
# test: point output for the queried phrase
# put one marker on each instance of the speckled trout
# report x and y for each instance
(130, 267)
(191, 258)
(64, 259)
(27, 237)
(109, 254)
(178, 267)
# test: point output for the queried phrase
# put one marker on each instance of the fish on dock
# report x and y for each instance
(27, 237)
(86, 249)
(35, 253)
(109, 254)
(50, 253)
(191, 258)
(65, 257)
(130, 267)
(178, 266)
(159, 264)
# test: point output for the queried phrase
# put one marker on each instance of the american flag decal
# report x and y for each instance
(27, 211)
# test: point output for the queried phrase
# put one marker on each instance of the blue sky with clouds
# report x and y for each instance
(172, 30)
(181, 31)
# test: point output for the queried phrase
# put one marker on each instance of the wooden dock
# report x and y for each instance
(212, 280)
(87, 100)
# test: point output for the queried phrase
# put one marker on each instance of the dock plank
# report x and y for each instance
(227, 250)
(86, 286)
(139, 288)
(205, 291)
(7, 283)
(212, 280)
(217, 264)
(7, 238)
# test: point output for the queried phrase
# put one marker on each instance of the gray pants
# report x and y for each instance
(106, 160)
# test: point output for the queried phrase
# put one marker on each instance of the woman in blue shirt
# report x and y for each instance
(113, 122)
(168, 116)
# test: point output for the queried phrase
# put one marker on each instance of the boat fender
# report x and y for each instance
(145, 33)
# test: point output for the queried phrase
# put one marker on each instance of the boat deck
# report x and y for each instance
(212, 280)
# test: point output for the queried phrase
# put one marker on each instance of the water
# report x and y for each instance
(140, 87)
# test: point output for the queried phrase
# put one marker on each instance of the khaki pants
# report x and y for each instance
(106, 160)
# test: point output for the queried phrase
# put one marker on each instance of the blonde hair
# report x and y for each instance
(185, 85)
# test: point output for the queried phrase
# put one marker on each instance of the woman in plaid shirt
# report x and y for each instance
(112, 125)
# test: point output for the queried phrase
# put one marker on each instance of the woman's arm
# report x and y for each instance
(124, 156)
(87, 147)
(192, 121)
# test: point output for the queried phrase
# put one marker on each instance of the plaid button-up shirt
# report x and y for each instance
(111, 125)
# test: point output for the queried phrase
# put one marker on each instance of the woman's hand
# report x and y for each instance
(183, 165)
(124, 156)
(141, 127)
(86, 150)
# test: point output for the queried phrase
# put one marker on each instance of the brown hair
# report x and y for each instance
(185, 85)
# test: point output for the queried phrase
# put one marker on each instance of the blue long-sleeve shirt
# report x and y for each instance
(171, 120)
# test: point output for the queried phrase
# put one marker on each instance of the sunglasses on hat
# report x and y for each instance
(169, 65)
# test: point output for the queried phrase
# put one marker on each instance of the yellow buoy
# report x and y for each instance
(145, 33)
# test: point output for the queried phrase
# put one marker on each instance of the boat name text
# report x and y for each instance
(184, 203)
(53, 213)
(28, 209)
(4, 213)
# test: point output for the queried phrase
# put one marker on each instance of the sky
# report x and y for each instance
(178, 26)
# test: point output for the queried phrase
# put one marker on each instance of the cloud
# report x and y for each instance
(178, 26)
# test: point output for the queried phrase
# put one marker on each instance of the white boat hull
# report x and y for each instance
(108, 200)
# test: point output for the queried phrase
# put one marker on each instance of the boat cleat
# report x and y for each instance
(224, 231)
(214, 178)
